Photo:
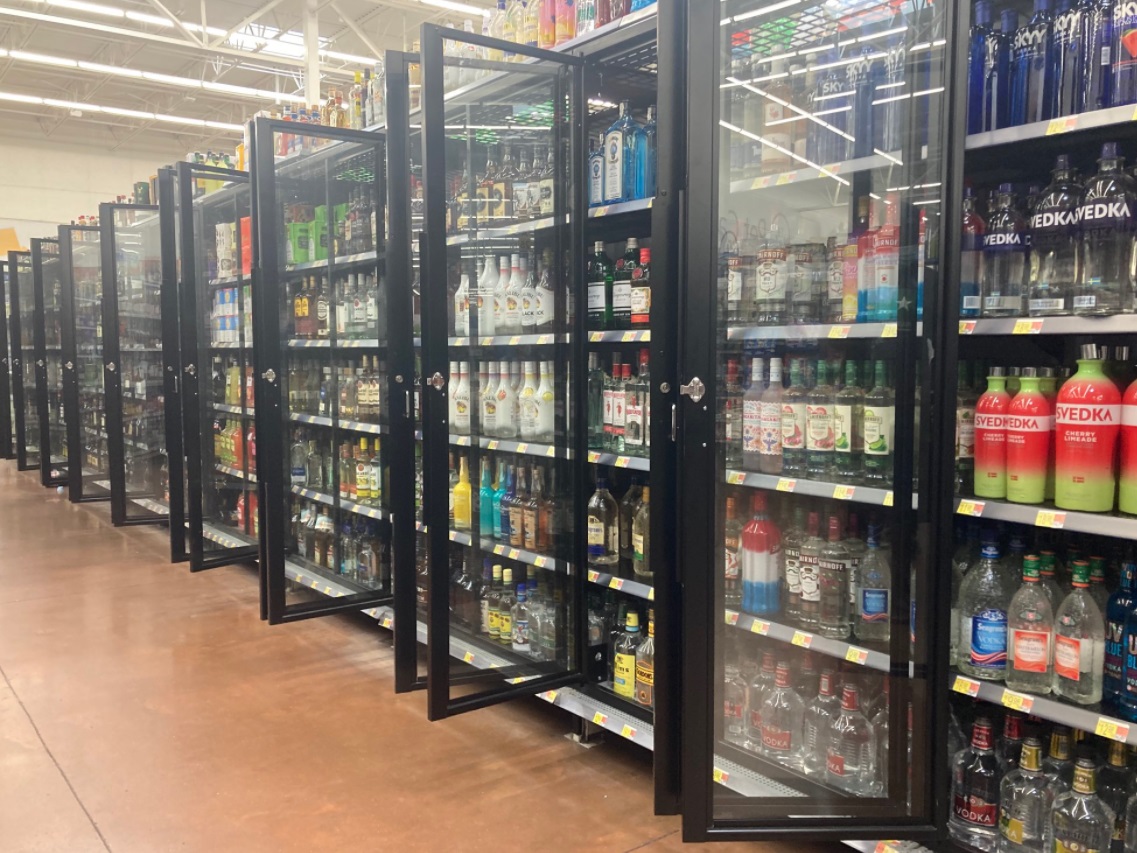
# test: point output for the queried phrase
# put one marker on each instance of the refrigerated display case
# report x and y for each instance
(216, 333)
(7, 408)
(21, 321)
(329, 483)
(84, 399)
(138, 362)
(47, 337)
(169, 222)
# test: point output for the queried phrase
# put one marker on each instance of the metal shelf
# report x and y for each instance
(227, 538)
(829, 172)
(232, 410)
(341, 261)
(509, 340)
(506, 445)
(814, 488)
(229, 279)
(636, 588)
(620, 336)
(837, 649)
(541, 561)
(1088, 718)
(812, 332)
(366, 510)
(635, 463)
(326, 343)
(236, 472)
(362, 426)
(1046, 515)
(620, 207)
(155, 506)
(461, 538)
(1116, 324)
(318, 420)
(1036, 130)
(229, 345)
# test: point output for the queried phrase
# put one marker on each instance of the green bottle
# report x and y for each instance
(879, 420)
(600, 273)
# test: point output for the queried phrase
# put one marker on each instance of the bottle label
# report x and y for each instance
(878, 425)
(495, 623)
(622, 296)
(793, 571)
(735, 280)
(641, 303)
(776, 739)
(732, 560)
(1068, 657)
(989, 639)
(596, 537)
(874, 605)
(1031, 650)
(645, 682)
(793, 426)
(965, 432)
(607, 396)
(732, 716)
(638, 547)
(819, 435)
(770, 429)
(624, 675)
(808, 578)
(505, 624)
(596, 180)
(614, 166)
(597, 291)
(835, 764)
(751, 426)
(973, 809)
(618, 418)
(1073, 847)
(836, 277)
(771, 274)
(844, 441)
(633, 423)
(1046, 304)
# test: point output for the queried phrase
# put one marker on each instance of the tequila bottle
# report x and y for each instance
(975, 790)
(850, 756)
(782, 716)
(645, 665)
(1079, 643)
(1030, 622)
(1024, 805)
(1080, 820)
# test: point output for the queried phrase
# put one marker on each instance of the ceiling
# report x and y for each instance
(89, 58)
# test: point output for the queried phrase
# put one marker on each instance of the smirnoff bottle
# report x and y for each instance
(791, 555)
(783, 713)
(851, 747)
(819, 715)
(1068, 59)
(1005, 250)
(771, 276)
(1107, 223)
(1087, 422)
(975, 790)
(833, 577)
(1032, 78)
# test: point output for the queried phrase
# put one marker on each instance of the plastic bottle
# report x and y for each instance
(1028, 441)
(1127, 491)
(1087, 423)
(991, 437)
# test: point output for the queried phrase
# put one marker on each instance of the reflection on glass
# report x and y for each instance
(50, 295)
(25, 307)
(87, 289)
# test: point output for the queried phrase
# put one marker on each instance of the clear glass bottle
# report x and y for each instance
(873, 593)
(734, 704)
(732, 556)
(527, 401)
(1054, 243)
(596, 379)
(879, 420)
(488, 400)
(1115, 782)
(848, 420)
(850, 758)
(641, 539)
(603, 527)
(820, 433)
(983, 599)
(505, 608)
(519, 622)
(1105, 280)
(1079, 819)
(460, 425)
(770, 423)
(756, 691)
(792, 541)
(624, 670)
(782, 716)
(808, 573)
(975, 790)
(1079, 643)
(819, 714)
(546, 404)
(1030, 644)
(645, 665)
(794, 424)
(505, 420)
(833, 576)
(1024, 805)
(1057, 763)
(1005, 250)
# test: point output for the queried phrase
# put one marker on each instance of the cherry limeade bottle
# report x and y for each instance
(1087, 423)
(1127, 494)
(1028, 441)
(991, 437)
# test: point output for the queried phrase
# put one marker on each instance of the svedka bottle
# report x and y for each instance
(1028, 441)
(1054, 244)
(991, 437)
(1127, 491)
(1107, 223)
(1005, 253)
(971, 258)
(1087, 423)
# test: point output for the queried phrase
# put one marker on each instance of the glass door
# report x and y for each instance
(815, 677)
(21, 321)
(215, 236)
(84, 398)
(324, 334)
(47, 276)
(169, 217)
(500, 434)
(7, 413)
(133, 363)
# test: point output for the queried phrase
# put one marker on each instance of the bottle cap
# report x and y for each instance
(1031, 569)
(1092, 352)
(1009, 20)
(598, 247)
(996, 371)
(990, 551)
(1062, 163)
(1006, 189)
(1046, 372)
(1029, 372)
(1108, 149)
(633, 622)
(767, 661)
(782, 678)
(507, 576)
(1081, 573)
(983, 13)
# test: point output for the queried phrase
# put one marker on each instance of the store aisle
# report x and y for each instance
(145, 709)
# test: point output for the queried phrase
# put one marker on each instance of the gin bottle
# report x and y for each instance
(1030, 622)
(851, 748)
(1106, 223)
(782, 715)
(1080, 820)
(983, 600)
(819, 714)
(975, 790)
(620, 158)
(1079, 643)
(1024, 805)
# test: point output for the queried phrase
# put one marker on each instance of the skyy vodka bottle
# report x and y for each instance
(1054, 244)
(1106, 221)
(1032, 85)
(1124, 57)
(977, 59)
(1068, 59)
(1005, 250)
(1097, 65)
(828, 136)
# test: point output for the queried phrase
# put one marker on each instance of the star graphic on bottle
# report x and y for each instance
(904, 304)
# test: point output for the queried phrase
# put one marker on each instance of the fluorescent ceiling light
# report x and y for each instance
(349, 57)
(455, 6)
(117, 70)
(43, 59)
(93, 8)
(120, 111)
(23, 99)
(144, 18)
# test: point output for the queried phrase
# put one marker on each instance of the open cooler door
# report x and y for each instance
(47, 336)
(483, 99)
(814, 668)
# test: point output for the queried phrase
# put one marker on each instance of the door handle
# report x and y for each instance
(191, 369)
(269, 376)
(695, 389)
(437, 381)
(68, 365)
(111, 366)
(39, 362)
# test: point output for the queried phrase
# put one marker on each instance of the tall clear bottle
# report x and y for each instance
(984, 596)
(752, 434)
(873, 593)
(1005, 249)
(820, 422)
(770, 423)
(1079, 643)
(1054, 243)
(833, 576)
(1030, 622)
(794, 424)
(1024, 805)
(975, 790)
(819, 714)
(879, 423)
(1107, 222)
(1080, 820)
(850, 760)
(848, 418)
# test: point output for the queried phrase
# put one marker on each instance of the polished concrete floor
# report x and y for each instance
(145, 709)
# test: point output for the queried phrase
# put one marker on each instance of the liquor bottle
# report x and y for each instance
(756, 692)
(505, 608)
(505, 419)
(782, 716)
(527, 400)
(1079, 819)
(641, 291)
(851, 747)
(1057, 764)
(886, 262)
(879, 421)
(818, 716)
(1087, 423)
(532, 539)
(363, 473)
(991, 437)
(519, 622)
(1121, 604)
(501, 487)
(1115, 781)
(511, 316)
(596, 379)
(808, 573)
(761, 560)
(965, 402)
(820, 425)
(499, 297)
(833, 577)
(1099, 50)
(546, 404)
(1032, 75)
(462, 497)
(645, 665)
(873, 593)
(1005, 251)
(1106, 224)
(529, 297)
(770, 459)
(791, 551)
(983, 599)
(1079, 643)
(600, 283)
(732, 557)
(794, 424)
(603, 526)
(1068, 59)
(646, 156)
(609, 400)
(1028, 441)
(624, 670)
(732, 418)
(1098, 591)
(848, 421)
(1054, 243)
(596, 171)
(487, 397)
(628, 506)
(977, 64)
(1030, 623)
(975, 790)
(298, 462)
(1010, 746)
(1024, 807)
(834, 306)
(461, 393)
(971, 268)
(619, 407)
(771, 277)
(620, 158)
(622, 286)
(734, 703)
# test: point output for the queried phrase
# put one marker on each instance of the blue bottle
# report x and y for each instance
(889, 121)
(977, 62)
(596, 173)
(1032, 94)
(645, 157)
(1098, 50)
(999, 73)
(620, 158)
(1124, 53)
(1069, 58)
(864, 74)
(828, 143)
(1121, 604)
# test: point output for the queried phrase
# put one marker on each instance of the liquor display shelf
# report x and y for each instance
(498, 231)
(618, 208)
(229, 279)
(541, 561)
(620, 336)
(355, 507)
(505, 445)
(815, 331)
(349, 425)
(1088, 718)
(1116, 324)
(341, 261)
(839, 649)
(155, 506)
(1046, 515)
(815, 172)
(230, 410)
(631, 587)
(322, 580)
(635, 463)
(236, 472)
(1096, 119)
(814, 488)
(226, 538)
(510, 340)
(140, 349)
(326, 343)
(230, 345)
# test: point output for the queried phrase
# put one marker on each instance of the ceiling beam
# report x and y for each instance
(259, 13)
(355, 28)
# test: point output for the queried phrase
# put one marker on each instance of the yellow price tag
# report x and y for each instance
(468, 657)
(1050, 518)
(759, 183)
(966, 686)
(627, 731)
(720, 776)
(522, 447)
(539, 562)
(549, 695)
(463, 441)
(315, 583)
(1017, 701)
(550, 450)
(786, 484)
(599, 718)
(1061, 125)
(802, 638)
(1027, 327)
(493, 444)
(844, 493)
(889, 330)
(885, 847)
(386, 623)
(857, 656)
(487, 341)
(839, 332)
(327, 590)
(514, 553)
(595, 336)
(966, 327)
(622, 461)
(651, 593)
(499, 549)
(593, 456)
(731, 617)
(760, 627)
(628, 336)
(736, 478)
(543, 339)
(972, 508)
(514, 341)
(786, 178)
(1112, 729)
(616, 583)
(593, 575)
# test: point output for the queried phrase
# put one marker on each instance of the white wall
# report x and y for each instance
(44, 184)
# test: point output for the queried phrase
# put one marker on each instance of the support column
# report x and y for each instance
(311, 52)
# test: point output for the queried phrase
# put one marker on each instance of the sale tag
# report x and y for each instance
(463, 441)
(803, 639)
(544, 339)
(468, 657)
(720, 776)
(628, 336)
(966, 685)
(1050, 518)
(839, 332)
(1017, 701)
(593, 456)
(887, 498)
(1061, 125)
(966, 327)
(514, 341)
(550, 450)
(493, 444)
(599, 718)
(616, 583)
(844, 493)
(886, 847)
(386, 623)
(593, 575)
(857, 656)
(514, 553)
(539, 562)
(622, 461)
(1027, 327)
(499, 549)
(627, 731)
(549, 695)
(651, 593)
(786, 484)
(731, 617)
(973, 508)
(522, 447)
(327, 590)
(596, 336)
(760, 183)
(889, 330)
(760, 627)
(1112, 729)
(736, 478)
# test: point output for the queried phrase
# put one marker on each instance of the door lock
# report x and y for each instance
(437, 382)
(695, 389)
(39, 362)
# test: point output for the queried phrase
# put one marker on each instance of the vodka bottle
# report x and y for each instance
(971, 270)
(879, 422)
(991, 437)
(1099, 49)
(808, 573)
(756, 692)
(819, 432)
(1087, 416)
(975, 790)
(792, 541)
(981, 30)
(1005, 250)
(806, 284)
(1079, 643)
(886, 263)
(603, 526)
(1030, 623)
(505, 421)
(782, 716)
(761, 561)
(1106, 218)
(1124, 83)
(1033, 73)
(851, 748)
(1115, 781)
(730, 433)
(734, 704)
(874, 593)
(1028, 441)
(1080, 820)
(794, 424)
(1024, 806)
(819, 714)
(519, 622)
(1121, 605)
(1010, 747)
(848, 419)
(452, 397)
(771, 277)
(984, 596)
(833, 576)
(1068, 58)
(770, 423)
(1054, 244)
